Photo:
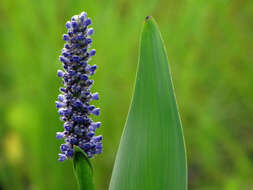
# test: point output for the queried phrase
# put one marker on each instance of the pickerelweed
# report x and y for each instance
(74, 101)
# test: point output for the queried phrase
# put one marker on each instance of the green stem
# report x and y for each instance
(83, 170)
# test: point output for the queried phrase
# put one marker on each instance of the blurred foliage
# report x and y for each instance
(210, 47)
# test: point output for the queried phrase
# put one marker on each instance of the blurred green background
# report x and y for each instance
(210, 48)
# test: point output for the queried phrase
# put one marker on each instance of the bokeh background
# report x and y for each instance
(210, 49)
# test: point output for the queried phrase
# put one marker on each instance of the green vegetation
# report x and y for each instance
(209, 45)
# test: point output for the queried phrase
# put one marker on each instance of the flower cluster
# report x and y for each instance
(74, 101)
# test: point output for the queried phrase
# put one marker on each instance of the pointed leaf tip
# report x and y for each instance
(147, 17)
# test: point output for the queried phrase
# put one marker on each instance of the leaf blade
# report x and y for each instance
(151, 154)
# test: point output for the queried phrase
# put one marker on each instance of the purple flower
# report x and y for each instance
(74, 101)
(65, 37)
(90, 31)
(60, 73)
(59, 135)
(68, 25)
(62, 157)
(92, 52)
(87, 22)
(95, 96)
(96, 124)
(96, 111)
(93, 68)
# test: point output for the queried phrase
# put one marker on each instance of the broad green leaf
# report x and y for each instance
(83, 170)
(151, 154)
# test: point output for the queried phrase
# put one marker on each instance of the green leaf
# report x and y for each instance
(83, 170)
(151, 154)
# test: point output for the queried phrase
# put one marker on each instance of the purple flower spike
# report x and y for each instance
(73, 102)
